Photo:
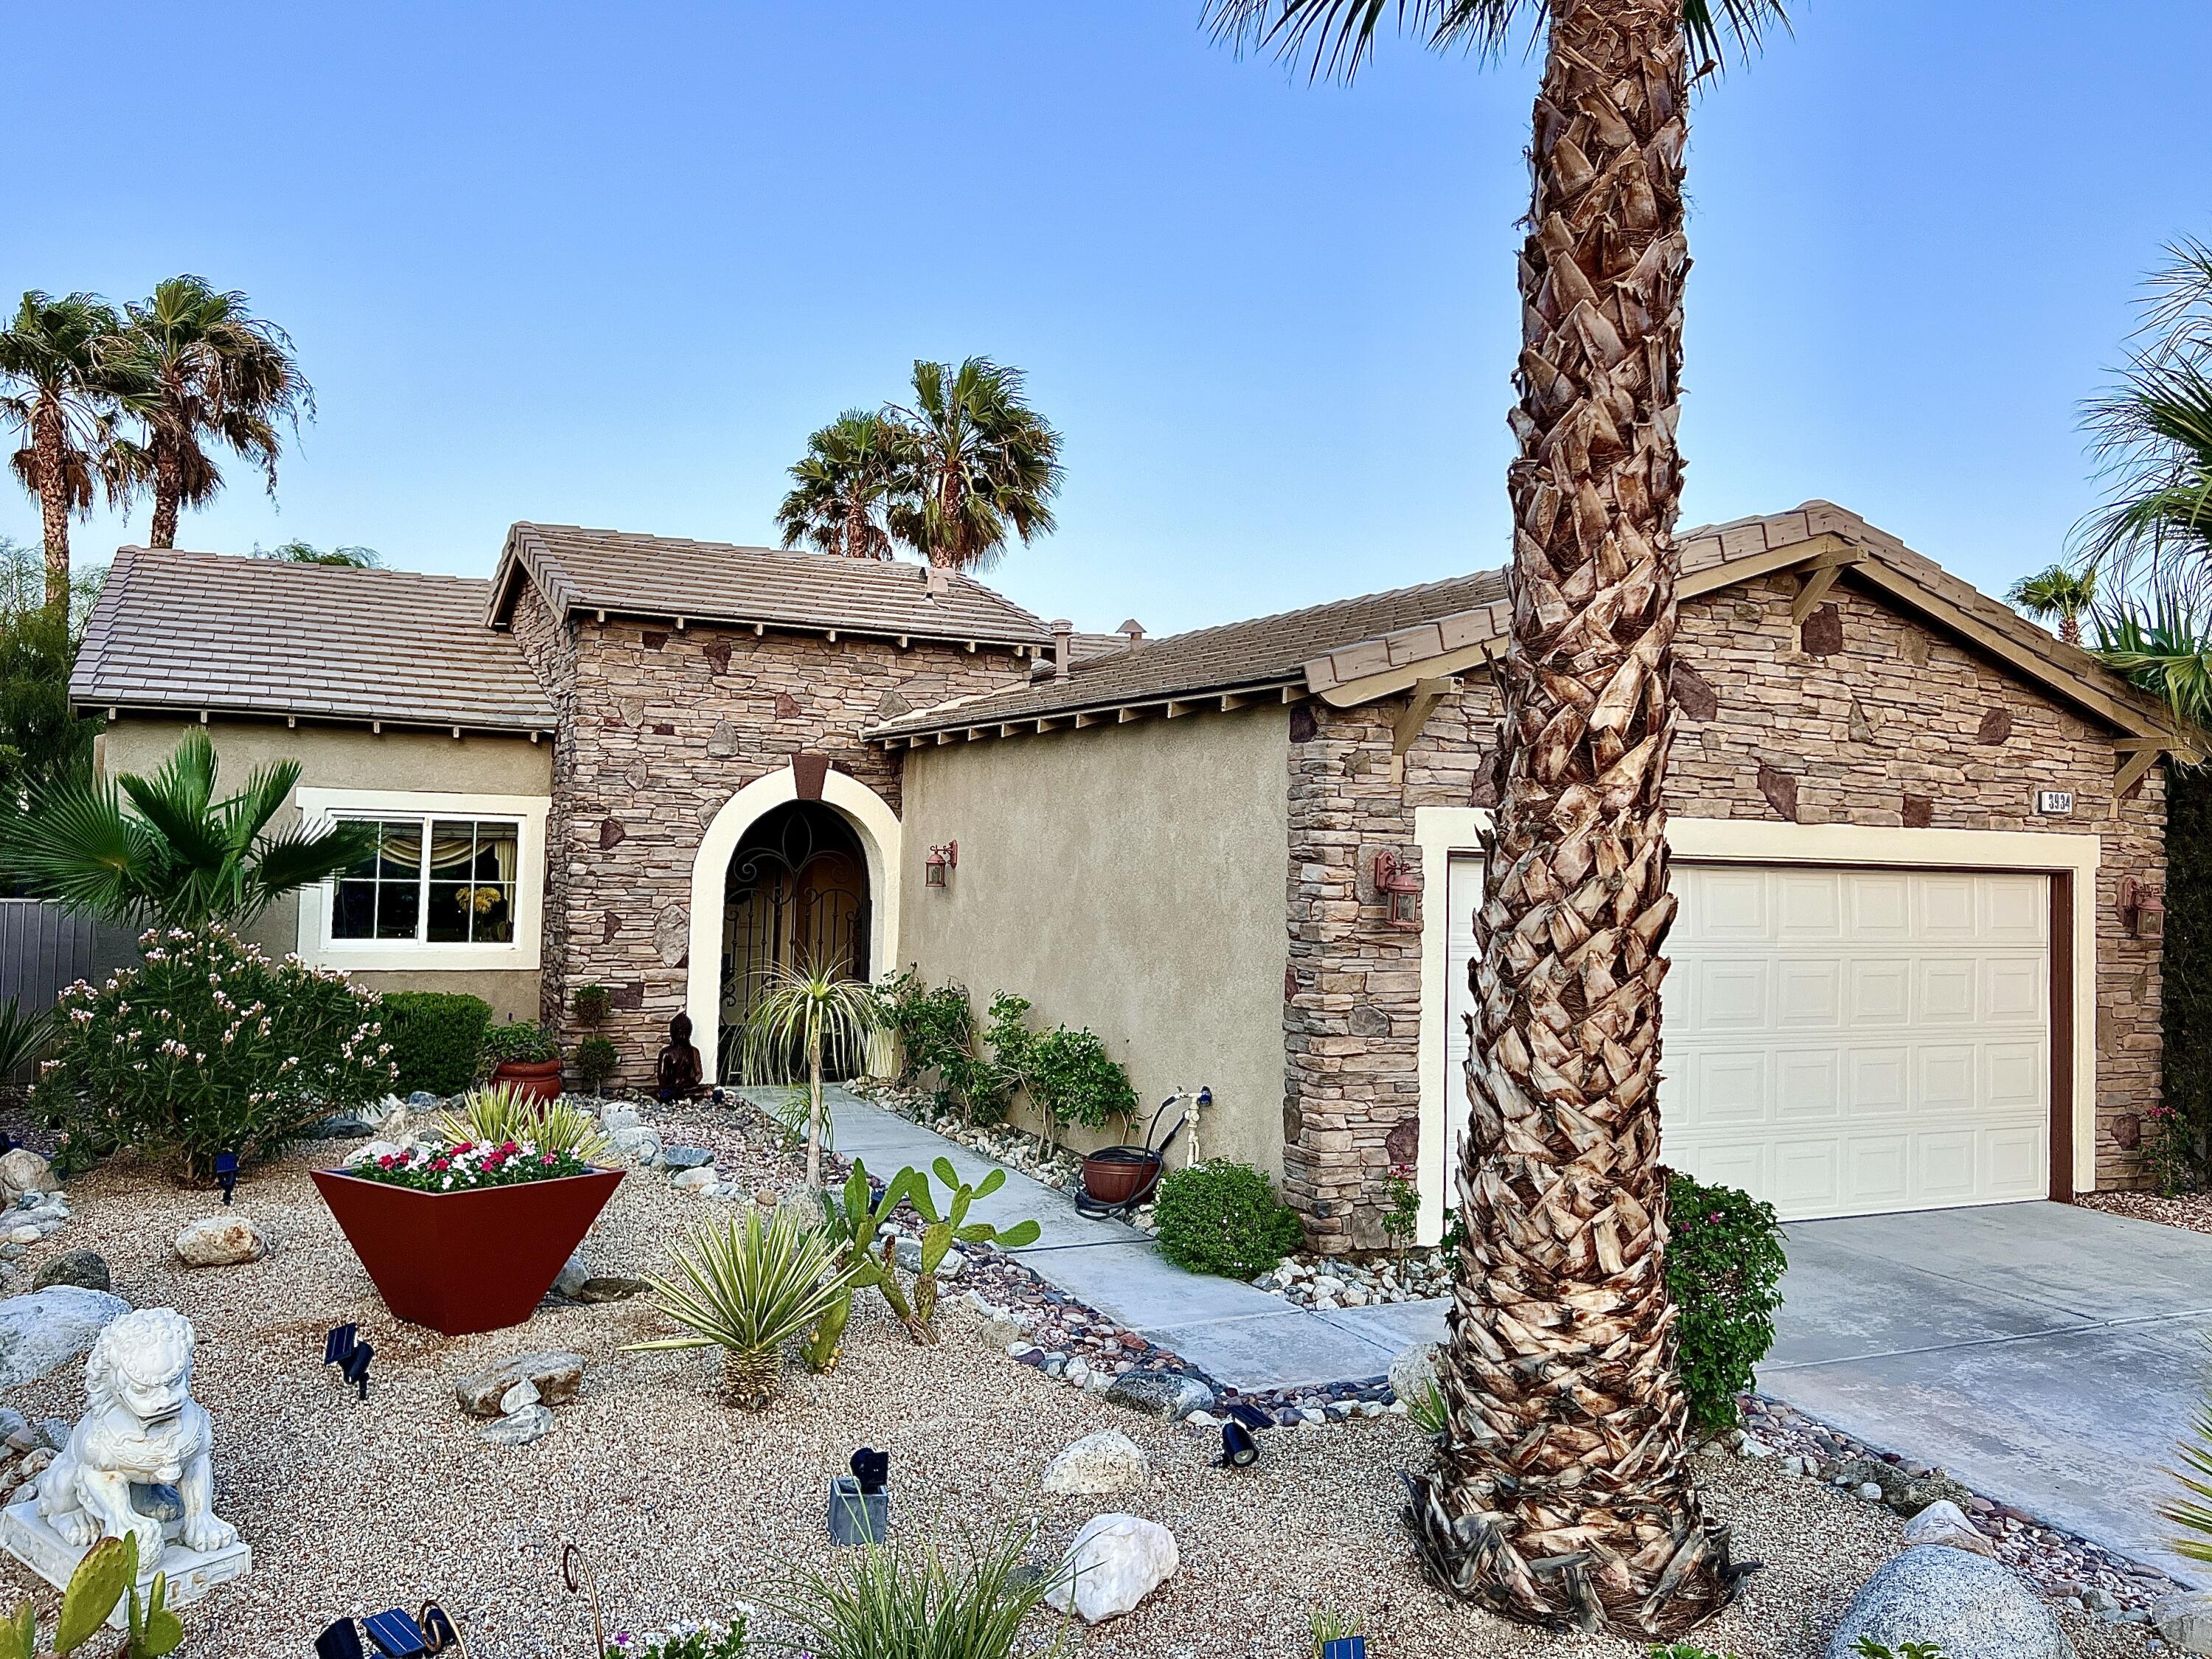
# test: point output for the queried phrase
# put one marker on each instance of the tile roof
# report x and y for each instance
(217, 632)
(636, 575)
(1267, 651)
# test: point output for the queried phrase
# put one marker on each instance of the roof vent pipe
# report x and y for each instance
(935, 579)
(1132, 632)
(1063, 646)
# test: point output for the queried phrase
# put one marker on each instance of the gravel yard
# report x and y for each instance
(686, 1507)
(2190, 1209)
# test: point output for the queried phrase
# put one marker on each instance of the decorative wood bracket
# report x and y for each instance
(1406, 724)
(1817, 575)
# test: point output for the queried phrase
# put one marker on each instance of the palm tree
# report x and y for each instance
(843, 489)
(814, 1016)
(300, 551)
(63, 365)
(2060, 592)
(217, 371)
(984, 465)
(175, 856)
(1560, 1495)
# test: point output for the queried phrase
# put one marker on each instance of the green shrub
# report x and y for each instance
(520, 1041)
(1223, 1218)
(1724, 1261)
(591, 1002)
(207, 1047)
(596, 1061)
(1074, 1079)
(936, 1039)
(436, 1038)
(2180, 1136)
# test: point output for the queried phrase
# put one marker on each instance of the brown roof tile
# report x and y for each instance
(217, 632)
(635, 575)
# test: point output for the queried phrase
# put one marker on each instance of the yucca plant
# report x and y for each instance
(748, 1292)
(2193, 1514)
(804, 1019)
(501, 1112)
(917, 1601)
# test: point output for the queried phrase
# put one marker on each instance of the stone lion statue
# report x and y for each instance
(141, 1424)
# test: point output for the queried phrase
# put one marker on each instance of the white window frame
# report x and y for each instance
(527, 812)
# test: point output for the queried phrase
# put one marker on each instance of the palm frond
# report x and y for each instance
(2165, 651)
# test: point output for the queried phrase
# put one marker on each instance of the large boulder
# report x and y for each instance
(1172, 1395)
(44, 1331)
(1116, 1562)
(2184, 1620)
(222, 1241)
(1107, 1462)
(87, 1269)
(1972, 1605)
(556, 1376)
(22, 1170)
(1413, 1369)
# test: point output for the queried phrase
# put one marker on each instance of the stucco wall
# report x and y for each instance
(352, 757)
(1128, 879)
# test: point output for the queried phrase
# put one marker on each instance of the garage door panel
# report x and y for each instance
(1925, 997)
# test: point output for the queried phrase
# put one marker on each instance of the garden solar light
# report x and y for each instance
(340, 1641)
(871, 1468)
(1345, 1647)
(396, 1634)
(226, 1171)
(1239, 1450)
(338, 1344)
(356, 1366)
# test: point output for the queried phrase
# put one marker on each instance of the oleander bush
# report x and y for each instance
(1223, 1218)
(208, 1047)
(1725, 1265)
(2177, 1134)
(437, 1038)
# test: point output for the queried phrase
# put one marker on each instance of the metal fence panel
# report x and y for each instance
(44, 949)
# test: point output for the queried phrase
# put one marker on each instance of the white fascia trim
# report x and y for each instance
(1441, 831)
(877, 826)
(321, 805)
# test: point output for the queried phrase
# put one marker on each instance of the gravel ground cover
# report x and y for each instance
(686, 1508)
(2190, 1209)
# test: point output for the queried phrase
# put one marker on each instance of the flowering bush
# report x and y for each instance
(689, 1641)
(208, 1047)
(470, 1164)
(1724, 1264)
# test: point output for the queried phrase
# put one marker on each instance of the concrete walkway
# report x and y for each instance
(2049, 1356)
(1237, 1335)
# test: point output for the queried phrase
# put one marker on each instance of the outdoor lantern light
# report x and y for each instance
(859, 1505)
(2142, 907)
(937, 869)
(1239, 1450)
(226, 1171)
(1399, 891)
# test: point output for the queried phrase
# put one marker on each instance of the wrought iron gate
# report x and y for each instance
(797, 897)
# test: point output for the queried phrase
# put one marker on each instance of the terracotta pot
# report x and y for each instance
(475, 1260)
(534, 1080)
(1117, 1175)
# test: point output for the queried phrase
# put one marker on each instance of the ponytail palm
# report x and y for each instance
(162, 850)
(1561, 1495)
(816, 1017)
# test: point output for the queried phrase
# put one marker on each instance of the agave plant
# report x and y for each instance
(501, 1113)
(748, 1292)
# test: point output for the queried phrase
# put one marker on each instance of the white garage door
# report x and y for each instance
(1841, 1041)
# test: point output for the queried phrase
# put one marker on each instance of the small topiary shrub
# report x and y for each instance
(436, 1038)
(1724, 1261)
(207, 1047)
(1223, 1218)
(596, 1062)
(591, 1003)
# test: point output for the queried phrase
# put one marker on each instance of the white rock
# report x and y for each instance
(1752, 1448)
(1115, 1563)
(2183, 1620)
(1944, 1522)
(1106, 1461)
(1413, 1369)
(44, 1331)
(1869, 1491)
(694, 1181)
(28, 1234)
(369, 1151)
(531, 1423)
(619, 1117)
(523, 1392)
(222, 1241)
(639, 1144)
(22, 1170)
(1975, 1607)
(1097, 1382)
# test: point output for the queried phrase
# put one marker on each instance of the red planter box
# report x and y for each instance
(467, 1262)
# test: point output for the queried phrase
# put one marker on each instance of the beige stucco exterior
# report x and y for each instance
(354, 757)
(1128, 880)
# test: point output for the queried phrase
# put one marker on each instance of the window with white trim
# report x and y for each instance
(431, 880)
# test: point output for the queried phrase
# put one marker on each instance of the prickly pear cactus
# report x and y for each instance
(154, 1630)
(19, 1633)
(109, 1568)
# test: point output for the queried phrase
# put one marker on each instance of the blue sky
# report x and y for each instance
(610, 265)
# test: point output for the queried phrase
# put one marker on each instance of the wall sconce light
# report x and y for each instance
(1400, 890)
(937, 869)
(2142, 907)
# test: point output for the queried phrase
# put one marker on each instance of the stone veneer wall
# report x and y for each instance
(659, 728)
(1863, 716)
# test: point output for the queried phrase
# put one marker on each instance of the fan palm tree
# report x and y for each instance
(175, 856)
(981, 465)
(2056, 592)
(814, 1016)
(1560, 1496)
(300, 551)
(67, 377)
(220, 373)
(843, 488)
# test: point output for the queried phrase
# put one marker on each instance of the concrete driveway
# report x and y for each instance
(2047, 1356)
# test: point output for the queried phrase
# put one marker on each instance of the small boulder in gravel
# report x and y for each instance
(1106, 1461)
(1972, 1605)
(1172, 1395)
(374, 1151)
(1944, 1522)
(518, 1429)
(423, 1101)
(613, 1119)
(523, 1392)
(608, 1287)
(637, 1143)
(556, 1376)
(2184, 1620)
(573, 1276)
(44, 1331)
(695, 1180)
(344, 1126)
(222, 1241)
(87, 1269)
(686, 1158)
(1906, 1493)
(1413, 1369)
(22, 1170)
(1116, 1562)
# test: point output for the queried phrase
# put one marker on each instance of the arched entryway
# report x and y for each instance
(745, 870)
(796, 898)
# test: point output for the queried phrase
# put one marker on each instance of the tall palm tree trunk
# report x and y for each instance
(1560, 1496)
(2070, 627)
(168, 492)
(47, 441)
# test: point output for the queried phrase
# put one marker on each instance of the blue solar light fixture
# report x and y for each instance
(1345, 1647)
(226, 1171)
(394, 1634)
(861, 1503)
(344, 1348)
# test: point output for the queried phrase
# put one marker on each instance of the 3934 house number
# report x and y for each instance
(2054, 803)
